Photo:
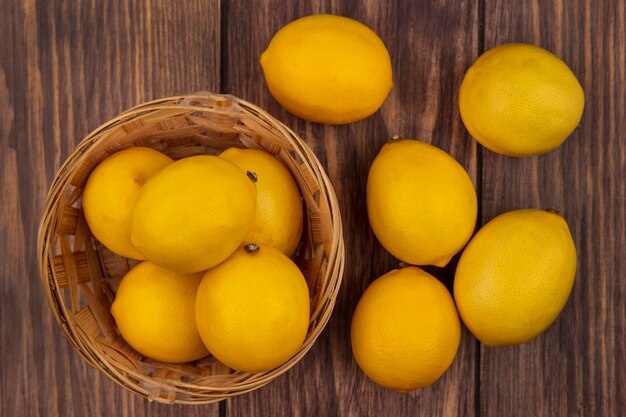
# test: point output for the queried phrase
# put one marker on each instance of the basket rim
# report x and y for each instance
(49, 222)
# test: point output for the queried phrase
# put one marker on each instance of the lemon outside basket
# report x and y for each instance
(80, 276)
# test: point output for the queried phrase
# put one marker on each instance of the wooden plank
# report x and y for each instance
(431, 43)
(65, 68)
(578, 367)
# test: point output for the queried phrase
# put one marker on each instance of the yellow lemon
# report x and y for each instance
(154, 311)
(421, 203)
(515, 276)
(110, 193)
(520, 100)
(193, 214)
(328, 69)
(405, 330)
(278, 220)
(252, 310)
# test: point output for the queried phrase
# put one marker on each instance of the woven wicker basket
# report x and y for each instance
(80, 276)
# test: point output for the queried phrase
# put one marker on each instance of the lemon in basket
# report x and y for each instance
(328, 69)
(110, 193)
(405, 330)
(155, 313)
(252, 310)
(193, 214)
(278, 220)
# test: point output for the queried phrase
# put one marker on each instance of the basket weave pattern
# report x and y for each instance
(80, 276)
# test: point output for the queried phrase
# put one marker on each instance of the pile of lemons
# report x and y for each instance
(515, 274)
(215, 234)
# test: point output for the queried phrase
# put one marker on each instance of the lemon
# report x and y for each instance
(278, 220)
(520, 100)
(154, 311)
(252, 310)
(405, 330)
(193, 214)
(328, 69)
(515, 276)
(421, 203)
(110, 193)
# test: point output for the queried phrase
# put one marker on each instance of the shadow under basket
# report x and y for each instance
(80, 276)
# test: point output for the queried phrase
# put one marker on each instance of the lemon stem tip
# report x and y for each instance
(251, 248)
(252, 175)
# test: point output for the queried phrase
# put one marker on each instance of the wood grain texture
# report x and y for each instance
(431, 43)
(65, 68)
(578, 366)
